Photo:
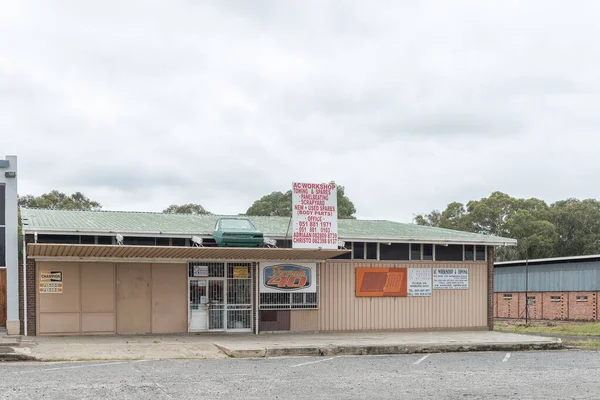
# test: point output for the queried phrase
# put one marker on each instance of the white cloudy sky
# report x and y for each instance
(409, 104)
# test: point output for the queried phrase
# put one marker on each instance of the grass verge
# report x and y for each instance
(584, 344)
(587, 329)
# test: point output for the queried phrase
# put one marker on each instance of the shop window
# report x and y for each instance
(415, 251)
(162, 241)
(452, 252)
(180, 242)
(507, 296)
(469, 252)
(371, 251)
(394, 251)
(358, 251)
(479, 253)
(87, 239)
(555, 299)
(239, 283)
(428, 252)
(582, 298)
(105, 239)
(139, 241)
(58, 239)
(284, 243)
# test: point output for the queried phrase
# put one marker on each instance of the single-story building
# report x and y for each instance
(110, 272)
(563, 288)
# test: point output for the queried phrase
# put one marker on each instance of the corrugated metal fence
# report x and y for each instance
(562, 277)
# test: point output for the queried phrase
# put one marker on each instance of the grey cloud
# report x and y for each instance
(446, 125)
(145, 104)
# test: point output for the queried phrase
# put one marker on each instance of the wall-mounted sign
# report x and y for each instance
(200, 271)
(288, 277)
(419, 281)
(51, 282)
(381, 282)
(314, 214)
(450, 278)
(393, 282)
(240, 272)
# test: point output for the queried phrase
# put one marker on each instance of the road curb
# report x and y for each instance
(384, 349)
(8, 353)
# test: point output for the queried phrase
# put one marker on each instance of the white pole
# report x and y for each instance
(257, 300)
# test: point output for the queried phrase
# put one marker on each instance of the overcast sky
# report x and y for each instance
(408, 104)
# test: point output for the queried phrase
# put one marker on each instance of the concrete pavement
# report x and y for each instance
(216, 346)
(475, 375)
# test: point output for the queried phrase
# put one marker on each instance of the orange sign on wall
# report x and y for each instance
(381, 282)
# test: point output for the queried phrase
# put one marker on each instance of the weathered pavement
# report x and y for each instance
(379, 343)
(211, 346)
(513, 375)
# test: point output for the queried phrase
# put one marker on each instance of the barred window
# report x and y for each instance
(290, 301)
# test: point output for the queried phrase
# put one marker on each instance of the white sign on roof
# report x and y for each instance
(314, 212)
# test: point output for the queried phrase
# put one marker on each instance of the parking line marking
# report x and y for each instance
(73, 367)
(312, 362)
(506, 357)
(421, 359)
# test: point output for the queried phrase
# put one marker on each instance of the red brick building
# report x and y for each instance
(566, 288)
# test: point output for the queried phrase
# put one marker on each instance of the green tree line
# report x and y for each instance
(564, 228)
(568, 227)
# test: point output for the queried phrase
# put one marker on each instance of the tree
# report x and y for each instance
(537, 238)
(502, 215)
(453, 217)
(280, 204)
(56, 200)
(276, 204)
(191, 208)
(578, 226)
(346, 209)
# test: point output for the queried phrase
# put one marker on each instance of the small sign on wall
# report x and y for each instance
(381, 282)
(51, 282)
(288, 277)
(200, 271)
(393, 282)
(451, 278)
(419, 281)
(240, 273)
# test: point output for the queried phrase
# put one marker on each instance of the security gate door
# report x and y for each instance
(198, 317)
(216, 305)
(220, 300)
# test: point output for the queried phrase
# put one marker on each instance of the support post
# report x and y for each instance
(8, 177)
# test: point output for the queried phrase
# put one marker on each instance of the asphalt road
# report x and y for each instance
(523, 375)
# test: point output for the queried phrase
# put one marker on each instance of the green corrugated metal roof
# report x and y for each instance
(146, 223)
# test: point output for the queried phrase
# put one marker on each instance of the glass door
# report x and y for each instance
(198, 317)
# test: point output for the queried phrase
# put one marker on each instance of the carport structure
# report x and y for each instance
(97, 289)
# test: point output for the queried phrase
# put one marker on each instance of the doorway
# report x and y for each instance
(220, 297)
